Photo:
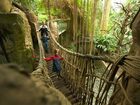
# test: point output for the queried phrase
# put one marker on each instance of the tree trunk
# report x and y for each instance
(105, 16)
(95, 3)
(135, 49)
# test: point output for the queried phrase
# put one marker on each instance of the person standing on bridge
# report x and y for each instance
(44, 36)
(56, 62)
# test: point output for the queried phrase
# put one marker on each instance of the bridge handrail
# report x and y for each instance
(103, 58)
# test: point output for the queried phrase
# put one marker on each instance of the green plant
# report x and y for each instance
(105, 43)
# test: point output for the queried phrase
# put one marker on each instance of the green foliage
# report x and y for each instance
(42, 18)
(37, 6)
(120, 22)
(72, 47)
(39, 9)
(26, 3)
(55, 12)
(61, 26)
(105, 43)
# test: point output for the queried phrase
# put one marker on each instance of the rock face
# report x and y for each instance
(131, 85)
(133, 88)
(17, 89)
(32, 19)
(135, 26)
(5, 6)
(16, 28)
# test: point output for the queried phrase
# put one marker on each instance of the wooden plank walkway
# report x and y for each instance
(62, 86)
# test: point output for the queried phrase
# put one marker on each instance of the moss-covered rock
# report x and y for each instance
(18, 89)
(32, 19)
(19, 42)
(5, 6)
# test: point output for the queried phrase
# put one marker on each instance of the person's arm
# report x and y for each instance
(48, 31)
(47, 28)
(39, 29)
(48, 58)
(61, 58)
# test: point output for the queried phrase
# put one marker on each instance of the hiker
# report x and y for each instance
(56, 62)
(43, 29)
(45, 39)
(44, 36)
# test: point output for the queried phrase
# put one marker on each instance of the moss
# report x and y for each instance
(13, 81)
(5, 6)
(19, 46)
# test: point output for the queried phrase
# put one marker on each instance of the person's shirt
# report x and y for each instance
(44, 30)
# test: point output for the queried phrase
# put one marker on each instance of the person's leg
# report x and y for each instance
(59, 74)
(46, 47)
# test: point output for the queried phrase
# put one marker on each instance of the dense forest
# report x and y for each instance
(69, 52)
(94, 26)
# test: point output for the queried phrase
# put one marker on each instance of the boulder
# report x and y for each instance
(19, 46)
(5, 6)
(16, 88)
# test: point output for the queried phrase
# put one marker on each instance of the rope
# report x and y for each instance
(104, 58)
(114, 69)
(132, 66)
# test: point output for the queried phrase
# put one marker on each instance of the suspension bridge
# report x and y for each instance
(88, 79)
(85, 82)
